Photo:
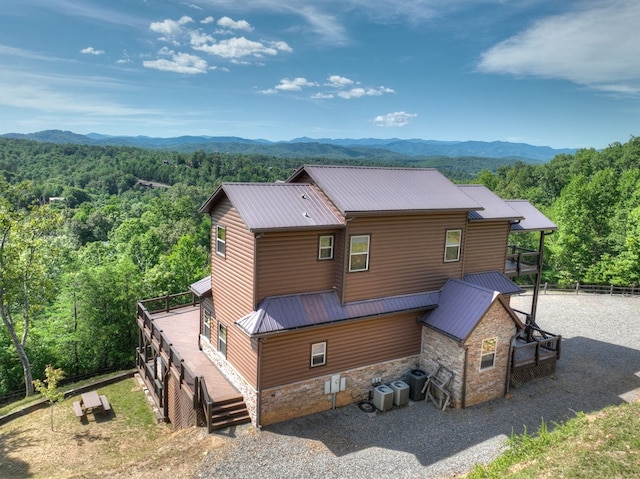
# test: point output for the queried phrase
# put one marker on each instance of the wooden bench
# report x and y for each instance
(77, 409)
(105, 403)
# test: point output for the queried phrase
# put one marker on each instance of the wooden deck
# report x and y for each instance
(181, 327)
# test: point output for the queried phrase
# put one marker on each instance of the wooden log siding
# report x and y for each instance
(287, 263)
(286, 357)
(406, 255)
(232, 287)
(485, 246)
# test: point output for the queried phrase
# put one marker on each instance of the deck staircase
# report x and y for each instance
(227, 413)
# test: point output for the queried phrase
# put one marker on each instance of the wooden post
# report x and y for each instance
(577, 287)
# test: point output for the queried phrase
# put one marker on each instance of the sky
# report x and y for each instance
(561, 74)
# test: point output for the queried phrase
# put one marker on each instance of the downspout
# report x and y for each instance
(463, 399)
(259, 365)
(259, 383)
(346, 257)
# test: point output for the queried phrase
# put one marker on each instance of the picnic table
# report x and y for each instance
(91, 401)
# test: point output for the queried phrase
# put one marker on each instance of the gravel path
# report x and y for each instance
(599, 366)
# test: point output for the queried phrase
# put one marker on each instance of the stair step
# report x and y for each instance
(229, 412)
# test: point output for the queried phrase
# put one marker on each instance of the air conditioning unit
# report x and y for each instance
(383, 397)
(400, 393)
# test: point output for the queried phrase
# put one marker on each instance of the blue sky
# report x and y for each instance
(563, 74)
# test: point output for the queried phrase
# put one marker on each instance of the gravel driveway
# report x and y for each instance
(599, 366)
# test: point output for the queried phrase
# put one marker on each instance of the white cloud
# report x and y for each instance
(91, 51)
(360, 92)
(239, 47)
(170, 28)
(207, 20)
(337, 81)
(322, 96)
(294, 85)
(597, 46)
(395, 119)
(227, 22)
(179, 63)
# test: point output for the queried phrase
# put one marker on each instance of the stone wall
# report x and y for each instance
(307, 397)
(489, 383)
(440, 349)
(248, 392)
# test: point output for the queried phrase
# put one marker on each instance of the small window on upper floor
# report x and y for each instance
(488, 353)
(221, 240)
(452, 245)
(325, 247)
(359, 253)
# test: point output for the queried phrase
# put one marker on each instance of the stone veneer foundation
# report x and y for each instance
(307, 397)
(249, 394)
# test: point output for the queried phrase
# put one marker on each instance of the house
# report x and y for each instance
(342, 277)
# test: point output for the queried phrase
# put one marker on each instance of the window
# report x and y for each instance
(488, 354)
(325, 248)
(222, 339)
(359, 253)
(452, 245)
(318, 354)
(206, 324)
(221, 240)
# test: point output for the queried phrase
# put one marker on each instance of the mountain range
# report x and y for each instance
(311, 147)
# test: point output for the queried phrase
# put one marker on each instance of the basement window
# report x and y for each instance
(318, 354)
(488, 353)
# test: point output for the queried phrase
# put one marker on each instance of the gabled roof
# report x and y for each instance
(461, 307)
(495, 208)
(373, 190)
(268, 206)
(494, 281)
(285, 313)
(533, 220)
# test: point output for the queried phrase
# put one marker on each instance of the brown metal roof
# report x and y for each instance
(495, 208)
(268, 206)
(372, 189)
(533, 220)
(202, 287)
(284, 313)
(461, 307)
(495, 281)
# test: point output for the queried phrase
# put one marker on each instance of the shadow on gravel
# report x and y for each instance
(590, 376)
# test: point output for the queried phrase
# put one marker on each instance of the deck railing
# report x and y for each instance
(169, 302)
(206, 403)
(195, 385)
(521, 260)
(534, 353)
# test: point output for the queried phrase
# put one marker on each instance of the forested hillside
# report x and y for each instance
(83, 236)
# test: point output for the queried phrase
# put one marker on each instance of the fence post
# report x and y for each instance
(611, 290)
(546, 285)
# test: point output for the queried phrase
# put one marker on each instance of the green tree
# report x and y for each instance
(49, 387)
(27, 260)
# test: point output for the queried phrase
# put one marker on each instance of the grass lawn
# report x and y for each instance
(125, 442)
(605, 444)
